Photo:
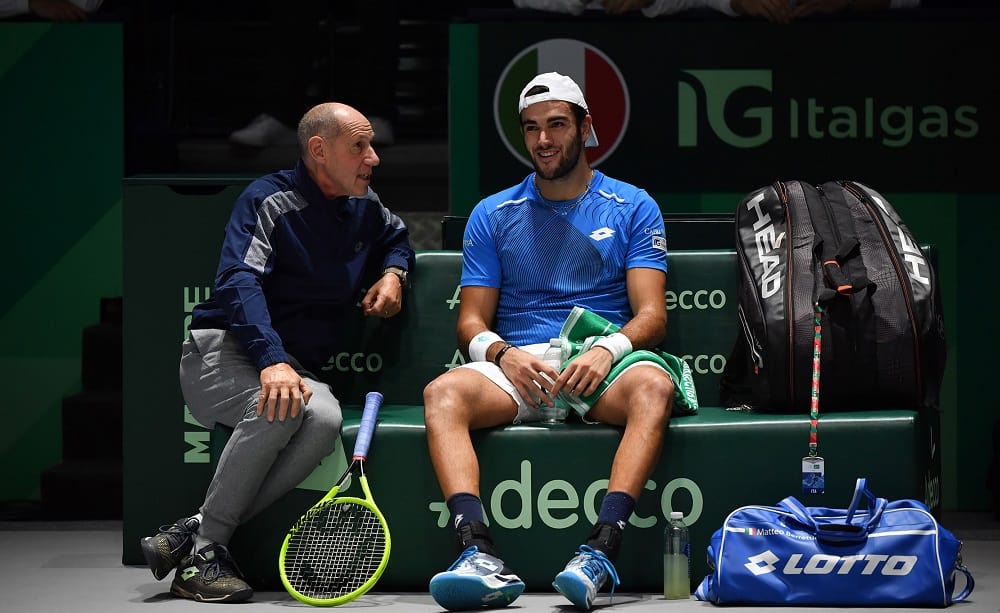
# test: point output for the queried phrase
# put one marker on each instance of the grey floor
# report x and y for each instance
(76, 566)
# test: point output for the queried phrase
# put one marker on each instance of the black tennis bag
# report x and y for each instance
(840, 245)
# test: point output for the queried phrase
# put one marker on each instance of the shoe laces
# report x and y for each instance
(596, 566)
(177, 533)
(469, 552)
(220, 564)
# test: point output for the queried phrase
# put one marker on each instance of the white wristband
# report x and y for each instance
(480, 343)
(618, 344)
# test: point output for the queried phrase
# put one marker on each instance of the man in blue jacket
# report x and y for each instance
(299, 247)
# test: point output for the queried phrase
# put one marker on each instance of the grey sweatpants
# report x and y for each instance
(262, 460)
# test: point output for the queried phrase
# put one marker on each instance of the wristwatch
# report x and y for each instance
(399, 272)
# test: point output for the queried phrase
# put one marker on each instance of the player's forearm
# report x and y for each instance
(647, 329)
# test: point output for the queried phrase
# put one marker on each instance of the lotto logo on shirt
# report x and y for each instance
(602, 84)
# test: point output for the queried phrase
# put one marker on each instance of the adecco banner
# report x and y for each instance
(727, 106)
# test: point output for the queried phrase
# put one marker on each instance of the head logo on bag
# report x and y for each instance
(767, 246)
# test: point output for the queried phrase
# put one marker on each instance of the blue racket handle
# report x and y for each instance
(373, 400)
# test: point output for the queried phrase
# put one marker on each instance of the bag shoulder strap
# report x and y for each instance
(836, 241)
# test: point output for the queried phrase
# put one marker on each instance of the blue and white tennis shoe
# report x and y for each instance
(584, 576)
(474, 581)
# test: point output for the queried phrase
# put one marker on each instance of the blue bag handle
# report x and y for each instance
(847, 532)
(970, 583)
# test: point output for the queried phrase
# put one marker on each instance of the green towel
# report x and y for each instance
(583, 328)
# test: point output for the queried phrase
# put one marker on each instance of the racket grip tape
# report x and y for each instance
(373, 401)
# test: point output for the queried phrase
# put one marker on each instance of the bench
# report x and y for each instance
(542, 485)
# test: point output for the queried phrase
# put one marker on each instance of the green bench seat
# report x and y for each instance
(542, 485)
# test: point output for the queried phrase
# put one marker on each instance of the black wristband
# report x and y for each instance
(503, 350)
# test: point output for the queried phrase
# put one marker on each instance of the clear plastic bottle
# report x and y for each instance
(553, 357)
(676, 558)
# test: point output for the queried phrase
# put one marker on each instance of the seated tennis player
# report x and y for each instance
(565, 236)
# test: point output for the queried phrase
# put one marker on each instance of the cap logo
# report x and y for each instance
(597, 76)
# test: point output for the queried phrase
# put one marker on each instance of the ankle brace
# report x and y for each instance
(606, 538)
(475, 533)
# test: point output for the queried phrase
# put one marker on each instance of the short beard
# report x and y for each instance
(569, 162)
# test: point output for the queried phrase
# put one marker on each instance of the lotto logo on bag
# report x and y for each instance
(825, 564)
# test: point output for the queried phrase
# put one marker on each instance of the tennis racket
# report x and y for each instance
(339, 548)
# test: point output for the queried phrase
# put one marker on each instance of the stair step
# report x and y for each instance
(111, 310)
(92, 426)
(101, 357)
(83, 490)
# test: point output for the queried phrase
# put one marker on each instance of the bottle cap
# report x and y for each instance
(676, 515)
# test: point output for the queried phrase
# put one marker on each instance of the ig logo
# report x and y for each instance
(715, 88)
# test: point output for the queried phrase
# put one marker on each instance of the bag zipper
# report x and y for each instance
(862, 196)
(782, 190)
(756, 351)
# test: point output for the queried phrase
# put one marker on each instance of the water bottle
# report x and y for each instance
(553, 358)
(676, 559)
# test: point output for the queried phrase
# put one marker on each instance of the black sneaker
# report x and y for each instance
(165, 550)
(210, 575)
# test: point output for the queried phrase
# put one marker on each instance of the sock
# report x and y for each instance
(467, 520)
(200, 543)
(616, 508)
(197, 516)
(465, 508)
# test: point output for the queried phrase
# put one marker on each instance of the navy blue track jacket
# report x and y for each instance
(294, 262)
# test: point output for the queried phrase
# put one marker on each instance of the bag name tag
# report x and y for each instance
(813, 475)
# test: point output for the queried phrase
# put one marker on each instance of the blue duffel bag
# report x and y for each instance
(874, 553)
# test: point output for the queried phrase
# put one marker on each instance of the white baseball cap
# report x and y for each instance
(557, 87)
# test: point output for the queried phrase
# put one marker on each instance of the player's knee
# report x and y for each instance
(655, 397)
(662, 387)
(441, 400)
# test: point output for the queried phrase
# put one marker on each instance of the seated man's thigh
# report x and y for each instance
(467, 395)
(643, 387)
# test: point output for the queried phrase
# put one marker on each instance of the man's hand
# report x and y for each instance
(777, 11)
(617, 7)
(57, 10)
(805, 8)
(583, 375)
(282, 390)
(385, 298)
(526, 372)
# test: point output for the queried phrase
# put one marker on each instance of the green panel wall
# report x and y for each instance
(61, 120)
(955, 210)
